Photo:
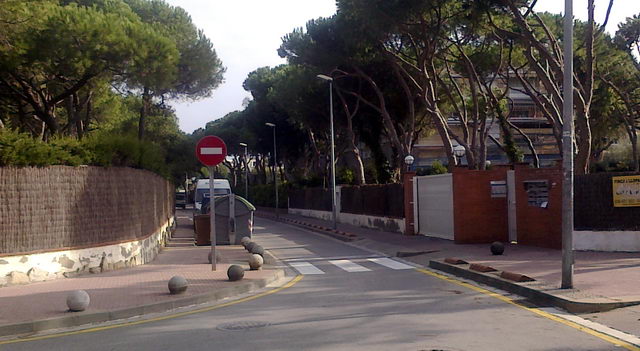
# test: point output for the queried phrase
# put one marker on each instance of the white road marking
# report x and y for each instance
(387, 262)
(211, 151)
(349, 266)
(632, 339)
(305, 268)
(331, 258)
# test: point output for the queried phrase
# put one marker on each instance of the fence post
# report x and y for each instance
(409, 227)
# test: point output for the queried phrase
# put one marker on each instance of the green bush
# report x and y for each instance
(436, 168)
(617, 159)
(22, 150)
(264, 195)
(345, 176)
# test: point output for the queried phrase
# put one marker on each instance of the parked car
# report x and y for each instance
(181, 199)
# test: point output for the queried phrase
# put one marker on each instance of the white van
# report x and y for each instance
(222, 187)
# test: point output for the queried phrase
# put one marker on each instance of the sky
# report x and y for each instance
(247, 33)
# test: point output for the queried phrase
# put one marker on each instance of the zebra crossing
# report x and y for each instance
(349, 265)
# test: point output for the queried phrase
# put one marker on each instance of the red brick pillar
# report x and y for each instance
(408, 203)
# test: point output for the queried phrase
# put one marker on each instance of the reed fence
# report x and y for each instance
(61, 207)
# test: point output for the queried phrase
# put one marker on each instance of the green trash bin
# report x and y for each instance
(234, 220)
(236, 215)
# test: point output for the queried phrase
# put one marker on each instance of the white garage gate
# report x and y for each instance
(433, 210)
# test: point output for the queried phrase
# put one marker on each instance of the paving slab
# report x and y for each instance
(132, 291)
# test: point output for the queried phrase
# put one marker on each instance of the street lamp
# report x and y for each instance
(567, 149)
(458, 152)
(246, 172)
(275, 164)
(333, 161)
(409, 161)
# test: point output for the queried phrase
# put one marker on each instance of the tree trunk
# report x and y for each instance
(633, 137)
(355, 163)
(583, 125)
(144, 112)
(354, 160)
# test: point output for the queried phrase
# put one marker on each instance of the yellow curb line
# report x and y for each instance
(544, 314)
(289, 284)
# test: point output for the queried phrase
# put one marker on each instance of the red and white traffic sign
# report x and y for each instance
(211, 150)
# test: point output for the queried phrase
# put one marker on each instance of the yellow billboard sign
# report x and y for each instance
(626, 191)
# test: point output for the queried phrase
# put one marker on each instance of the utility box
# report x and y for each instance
(234, 220)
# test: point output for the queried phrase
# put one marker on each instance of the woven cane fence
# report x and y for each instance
(60, 207)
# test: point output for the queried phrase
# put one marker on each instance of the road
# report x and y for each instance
(346, 299)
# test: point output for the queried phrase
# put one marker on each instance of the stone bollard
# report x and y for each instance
(78, 300)
(497, 248)
(245, 240)
(177, 285)
(235, 272)
(250, 245)
(255, 262)
(258, 250)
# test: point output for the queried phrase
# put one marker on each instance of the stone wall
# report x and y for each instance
(28, 268)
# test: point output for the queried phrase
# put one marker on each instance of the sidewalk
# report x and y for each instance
(602, 280)
(132, 291)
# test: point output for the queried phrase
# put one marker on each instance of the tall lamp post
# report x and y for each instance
(275, 164)
(567, 150)
(333, 160)
(246, 171)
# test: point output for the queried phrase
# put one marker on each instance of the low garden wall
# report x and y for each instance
(60, 221)
(599, 225)
(369, 206)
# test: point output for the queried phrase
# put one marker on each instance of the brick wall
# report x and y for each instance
(479, 218)
(60, 207)
(538, 226)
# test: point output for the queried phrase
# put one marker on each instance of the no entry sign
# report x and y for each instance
(211, 150)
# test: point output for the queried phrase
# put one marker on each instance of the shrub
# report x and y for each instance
(22, 150)
(264, 195)
(345, 176)
(126, 151)
(436, 168)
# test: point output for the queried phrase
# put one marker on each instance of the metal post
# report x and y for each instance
(186, 190)
(212, 223)
(333, 160)
(246, 174)
(567, 150)
(275, 170)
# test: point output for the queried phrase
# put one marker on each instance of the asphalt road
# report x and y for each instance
(348, 299)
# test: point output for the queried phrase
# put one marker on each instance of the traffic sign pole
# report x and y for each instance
(211, 150)
(212, 207)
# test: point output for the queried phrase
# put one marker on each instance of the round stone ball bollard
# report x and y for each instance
(257, 250)
(177, 285)
(250, 245)
(245, 240)
(235, 272)
(218, 257)
(497, 248)
(255, 262)
(78, 300)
